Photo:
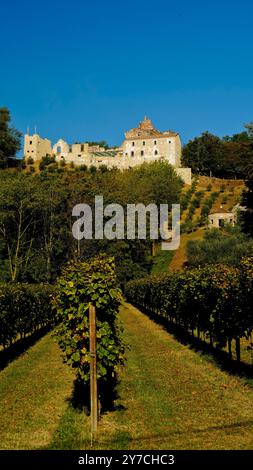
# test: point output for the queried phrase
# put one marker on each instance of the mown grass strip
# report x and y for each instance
(34, 390)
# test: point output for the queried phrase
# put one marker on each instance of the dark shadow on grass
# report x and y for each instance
(107, 394)
(231, 427)
(220, 357)
(20, 346)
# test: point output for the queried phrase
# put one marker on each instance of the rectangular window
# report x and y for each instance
(132, 154)
(144, 143)
(31, 142)
(142, 153)
(155, 142)
(82, 147)
(132, 144)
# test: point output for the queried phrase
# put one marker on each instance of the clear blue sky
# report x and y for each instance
(89, 70)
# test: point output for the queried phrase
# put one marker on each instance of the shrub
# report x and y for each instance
(103, 168)
(52, 167)
(93, 169)
(216, 300)
(83, 167)
(80, 284)
(42, 166)
(30, 161)
(224, 200)
(226, 247)
(23, 309)
(47, 159)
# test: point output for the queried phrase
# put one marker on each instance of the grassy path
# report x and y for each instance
(169, 398)
(33, 396)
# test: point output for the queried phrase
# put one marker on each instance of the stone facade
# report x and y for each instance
(146, 141)
(36, 147)
(219, 219)
(142, 144)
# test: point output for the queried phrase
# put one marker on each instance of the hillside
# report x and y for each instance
(206, 195)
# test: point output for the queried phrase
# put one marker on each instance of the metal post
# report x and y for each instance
(93, 370)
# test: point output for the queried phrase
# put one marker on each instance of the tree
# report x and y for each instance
(240, 137)
(18, 214)
(249, 128)
(227, 246)
(10, 138)
(237, 157)
(247, 202)
(100, 143)
(204, 154)
(228, 157)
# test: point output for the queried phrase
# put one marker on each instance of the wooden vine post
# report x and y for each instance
(93, 370)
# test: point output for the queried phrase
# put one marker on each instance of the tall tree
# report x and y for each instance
(204, 154)
(249, 128)
(18, 220)
(10, 138)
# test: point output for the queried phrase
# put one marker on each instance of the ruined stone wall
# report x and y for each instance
(123, 163)
(185, 174)
(36, 147)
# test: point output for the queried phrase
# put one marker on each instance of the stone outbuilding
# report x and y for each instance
(222, 217)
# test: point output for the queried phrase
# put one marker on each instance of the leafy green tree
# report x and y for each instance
(240, 137)
(10, 138)
(18, 214)
(227, 246)
(249, 128)
(204, 154)
(100, 143)
(247, 202)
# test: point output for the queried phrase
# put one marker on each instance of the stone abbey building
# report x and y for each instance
(142, 144)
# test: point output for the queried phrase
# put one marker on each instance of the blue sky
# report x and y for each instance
(90, 70)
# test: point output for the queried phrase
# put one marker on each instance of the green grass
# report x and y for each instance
(33, 396)
(162, 260)
(169, 397)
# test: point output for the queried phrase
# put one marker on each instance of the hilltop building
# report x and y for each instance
(142, 144)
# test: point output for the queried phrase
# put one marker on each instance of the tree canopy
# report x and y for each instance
(229, 157)
(36, 218)
(10, 138)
